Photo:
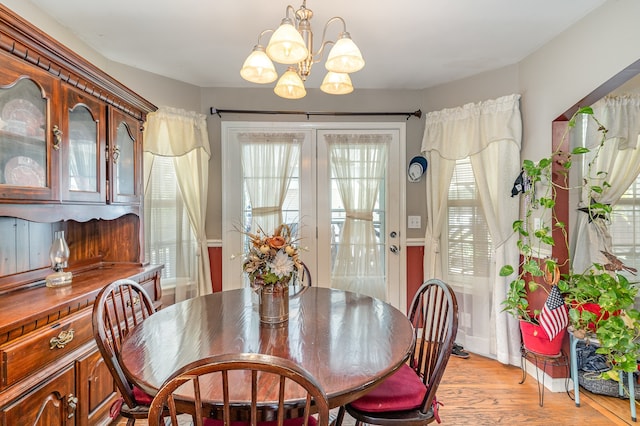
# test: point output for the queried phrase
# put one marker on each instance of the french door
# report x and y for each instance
(343, 198)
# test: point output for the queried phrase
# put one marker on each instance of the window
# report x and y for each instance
(468, 262)
(625, 226)
(169, 239)
(469, 241)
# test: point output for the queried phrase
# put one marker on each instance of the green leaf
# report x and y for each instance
(612, 375)
(544, 162)
(506, 270)
(580, 150)
(548, 240)
(547, 203)
(585, 110)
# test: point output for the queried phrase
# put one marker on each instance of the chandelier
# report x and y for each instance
(292, 44)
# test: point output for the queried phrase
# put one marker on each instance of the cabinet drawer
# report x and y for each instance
(150, 287)
(29, 353)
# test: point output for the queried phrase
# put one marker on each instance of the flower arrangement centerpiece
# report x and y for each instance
(272, 260)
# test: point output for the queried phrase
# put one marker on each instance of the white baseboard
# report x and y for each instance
(553, 384)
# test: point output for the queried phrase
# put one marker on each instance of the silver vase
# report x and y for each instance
(273, 303)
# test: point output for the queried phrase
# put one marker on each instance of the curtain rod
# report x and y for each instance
(218, 112)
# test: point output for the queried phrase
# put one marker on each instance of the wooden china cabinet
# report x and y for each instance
(70, 160)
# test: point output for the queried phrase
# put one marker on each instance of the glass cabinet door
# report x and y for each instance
(125, 157)
(83, 164)
(28, 146)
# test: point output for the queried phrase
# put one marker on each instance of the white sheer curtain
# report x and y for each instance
(619, 158)
(358, 164)
(182, 135)
(490, 134)
(268, 162)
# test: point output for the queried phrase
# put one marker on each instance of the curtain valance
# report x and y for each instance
(457, 133)
(619, 115)
(173, 132)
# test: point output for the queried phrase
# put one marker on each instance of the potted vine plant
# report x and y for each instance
(615, 324)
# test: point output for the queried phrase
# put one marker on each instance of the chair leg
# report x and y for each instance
(131, 422)
(339, 417)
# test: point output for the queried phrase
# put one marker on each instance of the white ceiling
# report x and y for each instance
(407, 44)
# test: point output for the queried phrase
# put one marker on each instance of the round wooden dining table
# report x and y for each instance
(349, 342)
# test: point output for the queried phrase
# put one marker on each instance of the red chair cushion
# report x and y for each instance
(288, 422)
(401, 391)
(141, 397)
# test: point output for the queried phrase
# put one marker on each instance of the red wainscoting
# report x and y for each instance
(415, 255)
(215, 263)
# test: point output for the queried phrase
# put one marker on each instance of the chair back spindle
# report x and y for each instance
(271, 378)
(119, 307)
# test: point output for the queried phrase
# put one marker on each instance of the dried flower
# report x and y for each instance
(271, 258)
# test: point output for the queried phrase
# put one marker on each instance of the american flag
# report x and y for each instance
(554, 317)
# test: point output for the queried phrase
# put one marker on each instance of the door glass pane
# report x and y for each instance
(271, 182)
(83, 142)
(358, 164)
(23, 148)
(125, 161)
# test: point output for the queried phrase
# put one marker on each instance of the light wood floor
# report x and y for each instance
(481, 391)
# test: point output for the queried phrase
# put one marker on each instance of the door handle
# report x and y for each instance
(394, 249)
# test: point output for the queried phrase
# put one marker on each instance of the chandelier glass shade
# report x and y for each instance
(286, 45)
(292, 44)
(290, 85)
(258, 68)
(344, 57)
(337, 83)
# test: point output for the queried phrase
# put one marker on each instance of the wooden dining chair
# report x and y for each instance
(301, 280)
(408, 396)
(119, 307)
(304, 276)
(271, 379)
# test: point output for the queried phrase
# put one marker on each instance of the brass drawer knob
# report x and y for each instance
(72, 404)
(65, 336)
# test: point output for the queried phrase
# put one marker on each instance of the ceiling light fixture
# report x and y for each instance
(292, 44)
